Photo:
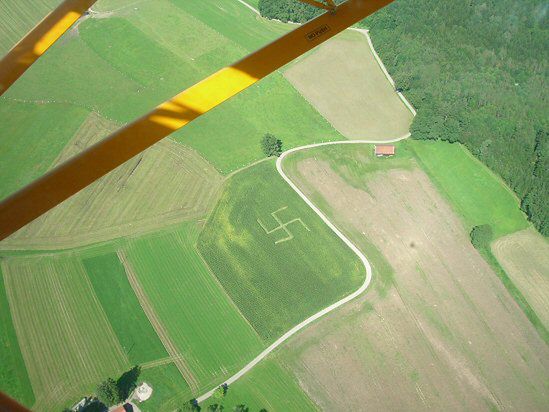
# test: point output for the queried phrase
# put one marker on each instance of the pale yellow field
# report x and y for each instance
(342, 80)
(443, 335)
(166, 184)
(525, 257)
(78, 348)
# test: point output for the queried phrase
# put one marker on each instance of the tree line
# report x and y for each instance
(477, 71)
(289, 10)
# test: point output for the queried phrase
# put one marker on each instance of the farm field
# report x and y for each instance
(277, 260)
(27, 152)
(446, 333)
(344, 82)
(110, 284)
(477, 194)
(145, 60)
(269, 386)
(198, 319)
(166, 184)
(13, 374)
(17, 17)
(54, 312)
(170, 389)
(525, 257)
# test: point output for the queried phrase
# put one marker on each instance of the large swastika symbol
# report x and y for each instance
(282, 226)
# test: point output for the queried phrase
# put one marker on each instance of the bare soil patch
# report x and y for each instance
(525, 257)
(447, 335)
(343, 81)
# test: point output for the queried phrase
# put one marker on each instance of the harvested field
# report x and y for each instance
(66, 340)
(343, 81)
(166, 184)
(447, 334)
(525, 257)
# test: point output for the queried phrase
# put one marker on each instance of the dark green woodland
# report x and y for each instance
(476, 71)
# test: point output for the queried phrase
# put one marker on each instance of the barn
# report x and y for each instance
(384, 150)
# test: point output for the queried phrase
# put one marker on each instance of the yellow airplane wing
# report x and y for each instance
(40, 39)
(75, 174)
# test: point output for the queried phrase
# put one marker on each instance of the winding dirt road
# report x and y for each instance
(339, 234)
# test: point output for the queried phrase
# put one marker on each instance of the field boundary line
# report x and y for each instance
(355, 249)
(162, 333)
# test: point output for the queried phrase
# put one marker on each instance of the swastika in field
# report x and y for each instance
(282, 226)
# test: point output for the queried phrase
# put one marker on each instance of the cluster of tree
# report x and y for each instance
(289, 10)
(476, 70)
(481, 236)
(111, 392)
(219, 395)
(271, 146)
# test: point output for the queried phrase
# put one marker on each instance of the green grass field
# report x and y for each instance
(64, 335)
(207, 328)
(269, 386)
(477, 194)
(28, 146)
(170, 389)
(271, 106)
(146, 59)
(14, 379)
(17, 17)
(134, 331)
(251, 32)
(275, 285)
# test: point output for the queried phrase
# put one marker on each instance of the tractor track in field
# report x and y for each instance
(162, 333)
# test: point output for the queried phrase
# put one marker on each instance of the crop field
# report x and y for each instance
(146, 59)
(13, 374)
(198, 317)
(130, 324)
(252, 31)
(342, 79)
(65, 337)
(27, 152)
(166, 184)
(525, 257)
(277, 260)
(17, 17)
(446, 333)
(269, 386)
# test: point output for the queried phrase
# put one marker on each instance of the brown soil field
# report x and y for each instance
(445, 334)
(525, 257)
(343, 81)
(166, 184)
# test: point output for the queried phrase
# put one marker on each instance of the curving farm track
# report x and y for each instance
(339, 234)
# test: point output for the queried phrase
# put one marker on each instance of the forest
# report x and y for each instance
(476, 71)
(289, 10)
